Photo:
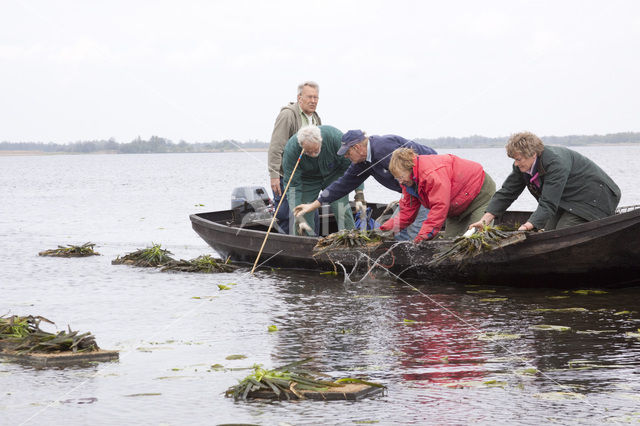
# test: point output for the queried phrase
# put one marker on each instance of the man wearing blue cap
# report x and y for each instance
(369, 156)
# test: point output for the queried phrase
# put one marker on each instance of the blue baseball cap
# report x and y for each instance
(349, 139)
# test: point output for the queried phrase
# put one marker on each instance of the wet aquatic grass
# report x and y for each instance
(287, 381)
(149, 257)
(490, 238)
(84, 250)
(24, 335)
(204, 264)
(350, 238)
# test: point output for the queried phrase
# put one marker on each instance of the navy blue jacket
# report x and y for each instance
(381, 148)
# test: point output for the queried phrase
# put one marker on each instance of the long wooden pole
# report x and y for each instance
(276, 212)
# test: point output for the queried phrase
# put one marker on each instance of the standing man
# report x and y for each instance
(370, 156)
(292, 117)
(319, 166)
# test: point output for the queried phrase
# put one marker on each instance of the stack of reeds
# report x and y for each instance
(349, 238)
(23, 335)
(204, 264)
(288, 381)
(71, 251)
(149, 257)
(465, 247)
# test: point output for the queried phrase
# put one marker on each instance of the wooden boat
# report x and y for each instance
(602, 253)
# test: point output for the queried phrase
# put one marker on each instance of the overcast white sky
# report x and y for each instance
(212, 70)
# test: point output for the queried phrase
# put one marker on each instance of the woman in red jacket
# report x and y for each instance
(455, 190)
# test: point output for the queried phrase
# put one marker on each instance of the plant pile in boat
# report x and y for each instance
(287, 380)
(350, 238)
(148, 257)
(490, 238)
(71, 251)
(23, 335)
(204, 264)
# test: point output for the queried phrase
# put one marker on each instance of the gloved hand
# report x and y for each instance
(303, 227)
(360, 197)
(301, 209)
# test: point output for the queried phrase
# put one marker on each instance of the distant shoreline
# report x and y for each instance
(18, 153)
(34, 153)
(158, 145)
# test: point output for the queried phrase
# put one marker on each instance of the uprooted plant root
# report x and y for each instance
(287, 381)
(23, 335)
(71, 251)
(203, 264)
(349, 238)
(149, 257)
(490, 238)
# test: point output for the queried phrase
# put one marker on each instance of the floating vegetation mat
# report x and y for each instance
(71, 251)
(351, 238)
(291, 381)
(204, 264)
(149, 257)
(490, 238)
(21, 338)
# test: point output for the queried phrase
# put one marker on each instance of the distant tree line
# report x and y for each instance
(571, 140)
(156, 144)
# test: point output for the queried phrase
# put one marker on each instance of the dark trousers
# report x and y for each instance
(563, 219)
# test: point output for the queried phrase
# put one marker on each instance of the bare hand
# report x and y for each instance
(526, 227)
(275, 186)
(487, 219)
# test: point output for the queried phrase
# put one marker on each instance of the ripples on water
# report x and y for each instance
(430, 343)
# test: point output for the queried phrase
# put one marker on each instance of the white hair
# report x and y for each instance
(309, 134)
(311, 84)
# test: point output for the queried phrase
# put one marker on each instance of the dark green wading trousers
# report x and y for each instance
(340, 208)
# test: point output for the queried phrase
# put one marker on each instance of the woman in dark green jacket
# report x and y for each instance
(570, 188)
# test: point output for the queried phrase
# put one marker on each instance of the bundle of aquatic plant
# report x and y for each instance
(23, 335)
(71, 251)
(204, 264)
(464, 247)
(148, 257)
(286, 380)
(349, 238)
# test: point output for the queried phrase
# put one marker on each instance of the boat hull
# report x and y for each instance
(603, 253)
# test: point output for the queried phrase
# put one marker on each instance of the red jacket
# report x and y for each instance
(445, 184)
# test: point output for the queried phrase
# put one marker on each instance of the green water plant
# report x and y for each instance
(149, 257)
(84, 250)
(464, 247)
(350, 238)
(204, 264)
(286, 381)
(24, 335)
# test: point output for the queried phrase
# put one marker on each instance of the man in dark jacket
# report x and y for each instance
(369, 156)
(570, 188)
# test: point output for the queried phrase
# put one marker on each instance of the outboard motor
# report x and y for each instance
(251, 204)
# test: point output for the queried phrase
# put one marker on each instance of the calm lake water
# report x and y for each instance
(447, 353)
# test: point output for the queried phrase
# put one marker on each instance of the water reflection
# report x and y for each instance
(438, 368)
